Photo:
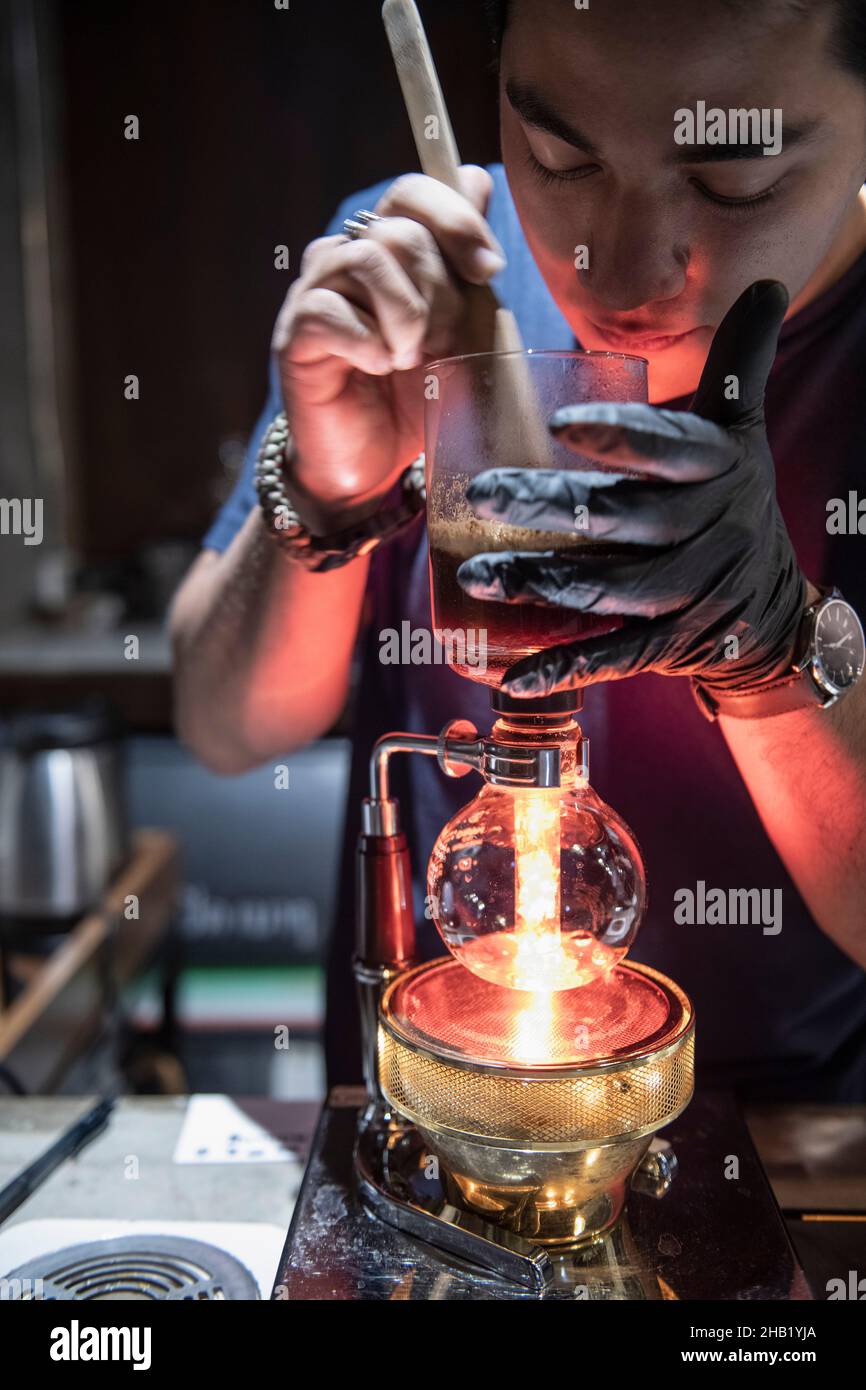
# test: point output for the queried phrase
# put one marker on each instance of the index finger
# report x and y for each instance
(458, 227)
(670, 444)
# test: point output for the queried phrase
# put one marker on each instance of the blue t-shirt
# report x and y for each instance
(778, 1015)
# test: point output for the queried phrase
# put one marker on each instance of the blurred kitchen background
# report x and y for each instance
(157, 922)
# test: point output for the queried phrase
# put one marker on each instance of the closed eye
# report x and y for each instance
(548, 176)
(754, 200)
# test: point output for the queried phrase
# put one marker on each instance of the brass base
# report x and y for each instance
(545, 1150)
(398, 1183)
(554, 1198)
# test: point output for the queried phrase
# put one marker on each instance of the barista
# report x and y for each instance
(741, 278)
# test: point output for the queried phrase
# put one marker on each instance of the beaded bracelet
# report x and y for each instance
(328, 552)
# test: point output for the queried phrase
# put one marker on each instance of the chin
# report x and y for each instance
(669, 380)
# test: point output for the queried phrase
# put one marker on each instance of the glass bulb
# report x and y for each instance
(537, 888)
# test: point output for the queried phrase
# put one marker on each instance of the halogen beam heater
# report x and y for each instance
(529, 1069)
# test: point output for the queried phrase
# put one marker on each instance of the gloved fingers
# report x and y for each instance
(679, 644)
(645, 585)
(542, 499)
(600, 506)
(672, 444)
(610, 656)
(732, 384)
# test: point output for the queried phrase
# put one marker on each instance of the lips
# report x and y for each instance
(640, 340)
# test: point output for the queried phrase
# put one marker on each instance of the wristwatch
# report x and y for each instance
(829, 660)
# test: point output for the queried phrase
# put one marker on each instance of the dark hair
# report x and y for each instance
(497, 17)
(848, 44)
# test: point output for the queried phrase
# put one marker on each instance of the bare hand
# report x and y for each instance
(358, 325)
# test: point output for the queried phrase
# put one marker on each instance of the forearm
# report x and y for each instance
(806, 774)
(262, 650)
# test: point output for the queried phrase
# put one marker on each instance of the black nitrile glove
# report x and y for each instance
(715, 560)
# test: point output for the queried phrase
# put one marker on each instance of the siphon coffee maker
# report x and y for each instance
(514, 1085)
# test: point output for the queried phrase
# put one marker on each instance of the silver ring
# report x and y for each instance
(357, 224)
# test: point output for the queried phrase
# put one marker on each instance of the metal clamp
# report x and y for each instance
(545, 762)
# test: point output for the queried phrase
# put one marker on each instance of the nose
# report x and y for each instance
(635, 255)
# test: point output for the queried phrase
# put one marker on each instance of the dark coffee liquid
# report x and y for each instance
(513, 630)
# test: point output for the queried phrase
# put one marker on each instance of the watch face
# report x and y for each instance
(839, 648)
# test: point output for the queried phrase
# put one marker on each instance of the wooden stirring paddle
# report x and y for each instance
(523, 439)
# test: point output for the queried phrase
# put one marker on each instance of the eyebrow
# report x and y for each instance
(717, 154)
(532, 109)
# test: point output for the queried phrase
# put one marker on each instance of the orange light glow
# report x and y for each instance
(533, 1028)
(536, 872)
(535, 953)
(539, 960)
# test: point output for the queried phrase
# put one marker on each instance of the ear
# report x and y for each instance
(743, 348)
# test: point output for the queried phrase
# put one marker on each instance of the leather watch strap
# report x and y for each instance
(796, 691)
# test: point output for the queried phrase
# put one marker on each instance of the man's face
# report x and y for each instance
(588, 101)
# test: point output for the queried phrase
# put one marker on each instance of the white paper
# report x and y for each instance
(216, 1130)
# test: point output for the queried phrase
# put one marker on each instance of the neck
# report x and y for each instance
(849, 243)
